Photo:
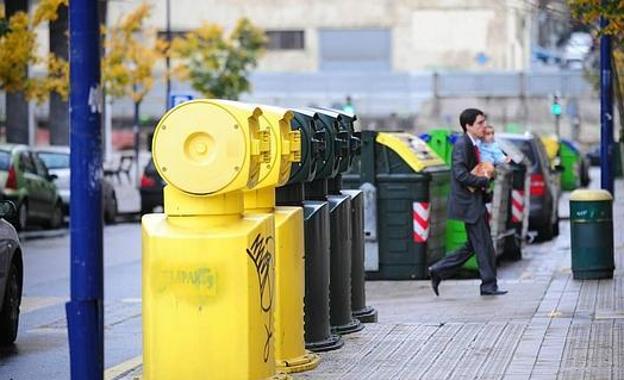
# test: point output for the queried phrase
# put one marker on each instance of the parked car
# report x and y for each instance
(594, 155)
(576, 49)
(11, 275)
(25, 180)
(151, 188)
(56, 159)
(544, 188)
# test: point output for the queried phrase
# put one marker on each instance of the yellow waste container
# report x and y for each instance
(290, 353)
(208, 269)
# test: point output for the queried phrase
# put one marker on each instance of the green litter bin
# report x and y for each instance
(405, 187)
(591, 232)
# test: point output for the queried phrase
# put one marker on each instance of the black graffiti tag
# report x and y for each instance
(262, 258)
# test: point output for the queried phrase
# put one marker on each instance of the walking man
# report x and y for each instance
(470, 207)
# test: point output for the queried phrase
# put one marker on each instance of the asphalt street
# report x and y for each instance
(41, 350)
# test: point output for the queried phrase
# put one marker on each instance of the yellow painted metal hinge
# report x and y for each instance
(294, 140)
(262, 146)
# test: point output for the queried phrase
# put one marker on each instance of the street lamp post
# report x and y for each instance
(85, 310)
(167, 59)
(606, 110)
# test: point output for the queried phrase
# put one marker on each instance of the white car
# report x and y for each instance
(56, 159)
(576, 49)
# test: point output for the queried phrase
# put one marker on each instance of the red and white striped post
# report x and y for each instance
(517, 206)
(420, 215)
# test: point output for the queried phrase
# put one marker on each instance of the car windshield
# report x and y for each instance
(527, 150)
(511, 150)
(5, 160)
(55, 160)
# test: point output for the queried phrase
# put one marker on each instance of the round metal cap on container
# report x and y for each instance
(590, 195)
(199, 147)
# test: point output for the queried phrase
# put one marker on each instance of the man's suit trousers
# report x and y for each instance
(479, 243)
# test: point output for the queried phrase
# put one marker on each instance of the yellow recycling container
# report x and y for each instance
(208, 269)
(290, 353)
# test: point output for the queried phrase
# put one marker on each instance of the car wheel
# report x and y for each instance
(546, 233)
(9, 316)
(110, 213)
(21, 220)
(513, 248)
(56, 219)
(555, 226)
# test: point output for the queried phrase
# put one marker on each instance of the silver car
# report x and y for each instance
(56, 159)
(11, 275)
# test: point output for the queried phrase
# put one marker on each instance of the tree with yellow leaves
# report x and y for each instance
(128, 66)
(589, 12)
(131, 52)
(216, 65)
(18, 51)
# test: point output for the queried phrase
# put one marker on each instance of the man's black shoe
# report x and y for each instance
(493, 292)
(435, 281)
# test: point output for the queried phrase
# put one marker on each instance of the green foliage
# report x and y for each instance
(218, 66)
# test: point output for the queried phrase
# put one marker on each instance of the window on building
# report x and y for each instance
(285, 40)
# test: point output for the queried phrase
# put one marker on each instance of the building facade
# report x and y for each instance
(379, 35)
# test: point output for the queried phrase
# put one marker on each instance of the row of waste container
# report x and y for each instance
(274, 217)
(258, 259)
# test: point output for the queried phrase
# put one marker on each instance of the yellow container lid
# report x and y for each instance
(201, 147)
(591, 195)
(414, 151)
(551, 143)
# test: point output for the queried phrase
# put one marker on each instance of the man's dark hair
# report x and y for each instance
(469, 116)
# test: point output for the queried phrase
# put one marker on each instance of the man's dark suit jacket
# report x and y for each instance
(464, 204)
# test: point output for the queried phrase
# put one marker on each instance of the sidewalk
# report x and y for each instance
(548, 326)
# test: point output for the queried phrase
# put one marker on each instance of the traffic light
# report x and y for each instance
(555, 107)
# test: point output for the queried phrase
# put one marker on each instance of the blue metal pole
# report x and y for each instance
(606, 111)
(85, 316)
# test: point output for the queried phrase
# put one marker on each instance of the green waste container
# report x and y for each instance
(570, 159)
(405, 187)
(441, 141)
(591, 217)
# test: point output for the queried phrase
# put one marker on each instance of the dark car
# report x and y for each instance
(544, 186)
(151, 189)
(594, 155)
(11, 275)
(25, 180)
